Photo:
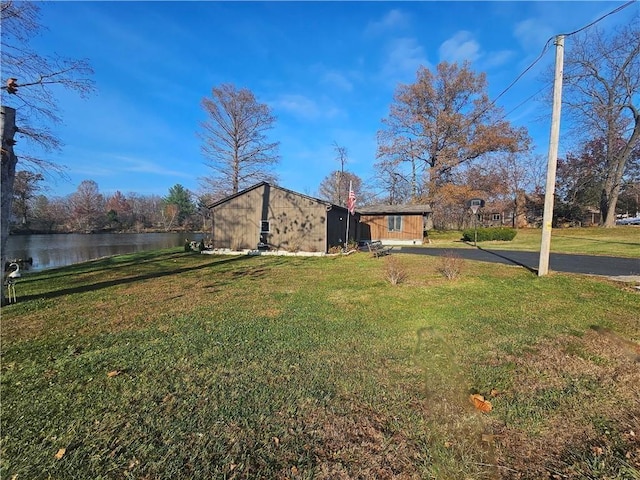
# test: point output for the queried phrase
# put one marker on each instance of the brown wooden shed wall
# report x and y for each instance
(377, 226)
(296, 222)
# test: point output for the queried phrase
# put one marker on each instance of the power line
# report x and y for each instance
(548, 84)
(616, 10)
(546, 46)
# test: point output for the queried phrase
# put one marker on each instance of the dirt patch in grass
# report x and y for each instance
(358, 442)
(552, 434)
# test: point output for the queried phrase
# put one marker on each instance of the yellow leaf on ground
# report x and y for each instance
(113, 373)
(480, 403)
(61, 453)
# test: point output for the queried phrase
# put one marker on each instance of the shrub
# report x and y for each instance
(394, 272)
(335, 249)
(489, 233)
(450, 265)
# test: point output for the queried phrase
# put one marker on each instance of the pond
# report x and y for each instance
(58, 250)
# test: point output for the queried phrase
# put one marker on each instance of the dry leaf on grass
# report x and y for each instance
(61, 453)
(113, 373)
(480, 403)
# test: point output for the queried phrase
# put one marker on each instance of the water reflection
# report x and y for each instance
(51, 251)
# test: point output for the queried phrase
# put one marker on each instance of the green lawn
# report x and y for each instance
(622, 241)
(172, 365)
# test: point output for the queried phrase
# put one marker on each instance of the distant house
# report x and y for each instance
(271, 217)
(395, 224)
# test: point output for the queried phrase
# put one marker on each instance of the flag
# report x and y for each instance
(351, 201)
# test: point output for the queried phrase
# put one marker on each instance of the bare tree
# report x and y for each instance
(87, 206)
(394, 183)
(29, 81)
(602, 93)
(25, 187)
(342, 157)
(146, 210)
(336, 191)
(443, 120)
(234, 138)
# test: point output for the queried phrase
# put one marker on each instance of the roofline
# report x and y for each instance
(394, 209)
(263, 183)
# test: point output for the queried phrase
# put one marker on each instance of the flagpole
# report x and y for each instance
(346, 237)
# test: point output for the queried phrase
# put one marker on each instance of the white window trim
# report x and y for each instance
(394, 223)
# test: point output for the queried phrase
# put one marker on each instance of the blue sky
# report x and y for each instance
(328, 70)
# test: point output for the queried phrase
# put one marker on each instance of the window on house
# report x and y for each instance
(264, 226)
(496, 217)
(395, 223)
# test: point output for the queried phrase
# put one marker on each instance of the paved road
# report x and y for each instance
(560, 262)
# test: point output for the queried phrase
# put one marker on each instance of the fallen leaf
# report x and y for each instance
(488, 438)
(113, 373)
(448, 444)
(61, 453)
(276, 440)
(480, 403)
(294, 470)
(495, 392)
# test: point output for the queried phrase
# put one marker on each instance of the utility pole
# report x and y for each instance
(547, 217)
(8, 130)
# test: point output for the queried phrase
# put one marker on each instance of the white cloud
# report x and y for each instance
(304, 107)
(393, 20)
(403, 57)
(337, 79)
(496, 59)
(141, 165)
(532, 34)
(459, 48)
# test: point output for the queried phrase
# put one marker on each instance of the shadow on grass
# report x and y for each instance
(133, 279)
(510, 260)
(114, 263)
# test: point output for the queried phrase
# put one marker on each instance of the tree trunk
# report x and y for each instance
(608, 202)
(9, 160)
(520, 210)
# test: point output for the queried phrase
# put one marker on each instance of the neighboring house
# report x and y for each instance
(591, 217)
(395, 224)
(268, 216)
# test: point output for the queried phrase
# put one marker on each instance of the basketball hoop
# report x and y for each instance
(474, 205)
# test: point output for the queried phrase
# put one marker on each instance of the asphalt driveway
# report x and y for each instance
(559, 262)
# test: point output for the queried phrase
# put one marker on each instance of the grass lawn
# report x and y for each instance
(171, 365)
(621, 241)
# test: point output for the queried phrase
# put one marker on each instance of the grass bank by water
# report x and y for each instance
(174, 365)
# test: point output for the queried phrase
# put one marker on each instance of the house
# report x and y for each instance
(267, 216)
(395, 224)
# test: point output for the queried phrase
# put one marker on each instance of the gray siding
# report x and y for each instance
(296, 222)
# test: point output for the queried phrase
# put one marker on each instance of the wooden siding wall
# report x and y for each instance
(296, 222)
(377, 228)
